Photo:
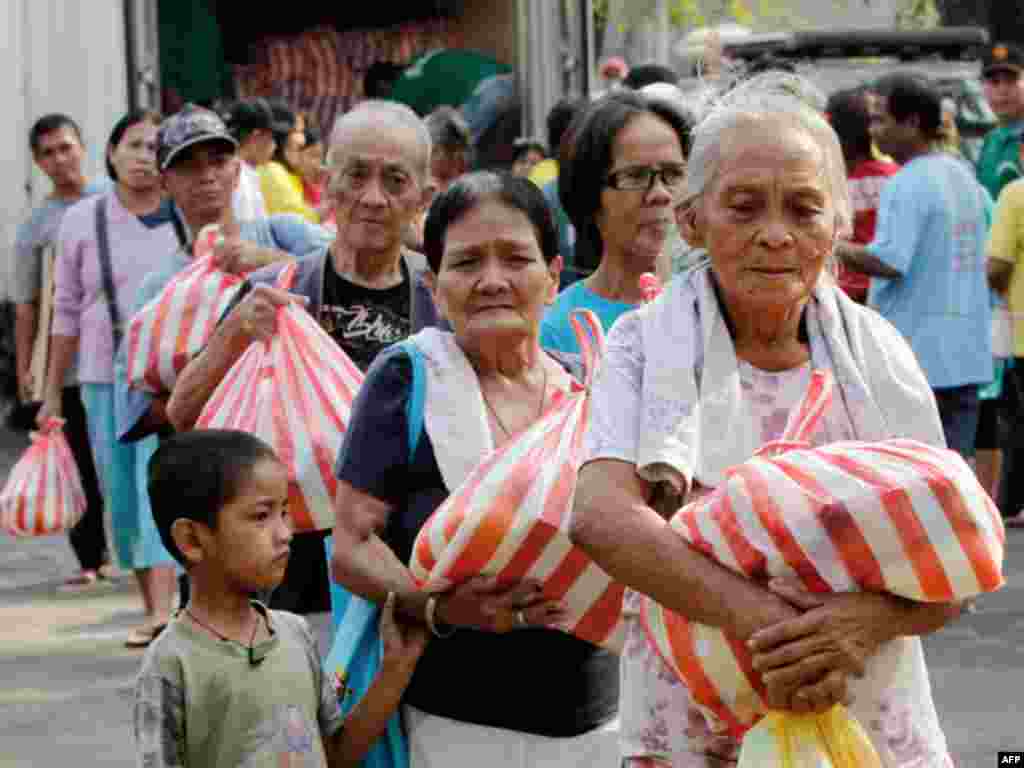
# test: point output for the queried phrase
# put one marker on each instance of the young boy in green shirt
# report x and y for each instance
(229, 682)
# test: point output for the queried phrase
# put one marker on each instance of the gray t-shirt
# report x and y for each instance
(200, 702)
(33, 236)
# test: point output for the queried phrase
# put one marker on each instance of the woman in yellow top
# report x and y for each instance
(281, 179)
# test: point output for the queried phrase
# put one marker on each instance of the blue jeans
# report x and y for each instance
(958, 409)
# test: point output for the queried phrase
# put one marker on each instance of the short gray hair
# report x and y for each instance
(772, 95)
(448, 129)
(386, 112)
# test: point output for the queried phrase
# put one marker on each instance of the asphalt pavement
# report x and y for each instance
(66, 679)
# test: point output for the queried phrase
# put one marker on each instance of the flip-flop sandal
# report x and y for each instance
(141, 637)
(80, 582)
(107, 572)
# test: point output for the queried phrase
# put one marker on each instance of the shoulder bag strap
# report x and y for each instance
(179, 226)
(107, 272)
(417, 394)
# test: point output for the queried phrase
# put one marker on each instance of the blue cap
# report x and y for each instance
(192, 125)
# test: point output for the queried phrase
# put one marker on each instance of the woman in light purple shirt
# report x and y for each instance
(141, 236)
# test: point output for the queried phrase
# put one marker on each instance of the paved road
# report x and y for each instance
(65, 680)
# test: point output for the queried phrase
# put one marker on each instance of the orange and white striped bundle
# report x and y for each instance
(896, 516)
(296, 394)
(170, 330)
(510, 518)
(43, 494)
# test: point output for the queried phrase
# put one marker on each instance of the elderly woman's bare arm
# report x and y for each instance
(614, 523)
(362, 561)
(367, 566)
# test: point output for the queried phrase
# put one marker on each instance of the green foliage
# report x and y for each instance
(917, 14)
(689, 14)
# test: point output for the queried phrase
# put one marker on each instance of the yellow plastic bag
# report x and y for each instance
(833, 739)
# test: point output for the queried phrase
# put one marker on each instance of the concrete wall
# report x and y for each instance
(57, 56)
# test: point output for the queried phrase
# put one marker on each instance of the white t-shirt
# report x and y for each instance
(248, 199)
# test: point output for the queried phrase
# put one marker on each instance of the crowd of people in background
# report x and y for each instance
(397, 234)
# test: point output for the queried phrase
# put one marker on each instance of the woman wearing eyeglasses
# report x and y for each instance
(619, 188)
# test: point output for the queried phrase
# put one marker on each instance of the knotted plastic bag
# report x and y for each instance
(295, 392)
(174, 327)
(833, 739)
(896, 516)
(43, 494)
(510, 518)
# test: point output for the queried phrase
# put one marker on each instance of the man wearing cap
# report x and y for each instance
(251, 122)
(999, 161)
(198, 159)
(1000, 170)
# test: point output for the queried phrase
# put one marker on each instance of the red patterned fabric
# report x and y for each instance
(296, 394)
(321, 71)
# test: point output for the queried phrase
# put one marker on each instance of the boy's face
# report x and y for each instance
(252, 540)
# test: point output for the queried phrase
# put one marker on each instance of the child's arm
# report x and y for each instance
(366, 723)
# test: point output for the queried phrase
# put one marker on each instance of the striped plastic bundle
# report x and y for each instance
(896, 516)
(510, 518)
(168, 332)
(296, 394)
(43, 494)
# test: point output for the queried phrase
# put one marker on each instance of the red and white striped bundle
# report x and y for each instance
(510, 518)
(174, 327)
(43, 494)
(896, 516)
(296, 394)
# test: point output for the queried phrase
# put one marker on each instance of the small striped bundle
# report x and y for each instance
(296, 394)
(43, 494)
(168, 332)
(510, 518)
(894, 516)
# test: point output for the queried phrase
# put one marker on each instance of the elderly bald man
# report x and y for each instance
(363, 286)
(366, 288)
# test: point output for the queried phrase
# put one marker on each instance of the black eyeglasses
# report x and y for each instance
(642, 177)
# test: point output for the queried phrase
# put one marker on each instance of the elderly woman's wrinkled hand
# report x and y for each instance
(482, 603)
(807, 659)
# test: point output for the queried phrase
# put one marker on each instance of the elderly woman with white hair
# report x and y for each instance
(695, 382)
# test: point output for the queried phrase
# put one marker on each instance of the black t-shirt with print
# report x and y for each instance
(362, 321)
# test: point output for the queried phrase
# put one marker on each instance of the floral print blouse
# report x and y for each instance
(658, 717)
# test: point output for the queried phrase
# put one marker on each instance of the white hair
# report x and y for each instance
(768, 96)
(381, 112)
(672, 94)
